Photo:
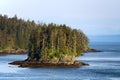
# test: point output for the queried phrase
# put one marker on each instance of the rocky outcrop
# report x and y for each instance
(92, 50)
(63, 61)
(48, 64)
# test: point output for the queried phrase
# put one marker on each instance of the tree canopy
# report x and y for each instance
(48, 41)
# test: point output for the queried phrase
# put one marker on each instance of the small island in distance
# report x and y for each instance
(47, 45)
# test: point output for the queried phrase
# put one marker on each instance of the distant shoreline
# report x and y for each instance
(13, 51)
(92, 50)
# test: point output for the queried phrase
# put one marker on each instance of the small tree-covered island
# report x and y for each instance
(47, 45)
(56, 44)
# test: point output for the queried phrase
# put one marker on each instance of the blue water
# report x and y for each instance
(103, 66)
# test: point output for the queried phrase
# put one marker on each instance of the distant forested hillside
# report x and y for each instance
(41, 39)
(14, 32)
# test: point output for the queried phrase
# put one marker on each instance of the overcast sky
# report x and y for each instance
(93, 17)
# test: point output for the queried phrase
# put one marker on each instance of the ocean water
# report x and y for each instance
(103, 66)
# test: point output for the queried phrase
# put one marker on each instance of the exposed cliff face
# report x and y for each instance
(62, 59)
(67, 58)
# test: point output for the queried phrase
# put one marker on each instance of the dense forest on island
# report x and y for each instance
(49, 41)
(43, 41)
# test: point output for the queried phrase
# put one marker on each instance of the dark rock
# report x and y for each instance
(48, 64)
(93, 50)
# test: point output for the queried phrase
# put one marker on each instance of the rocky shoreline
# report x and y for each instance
(13, 51)
(65, 61)
(48, 64)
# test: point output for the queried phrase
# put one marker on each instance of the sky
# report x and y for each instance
(93, 17)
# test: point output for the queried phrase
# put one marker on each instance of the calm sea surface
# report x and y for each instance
(103, 66)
